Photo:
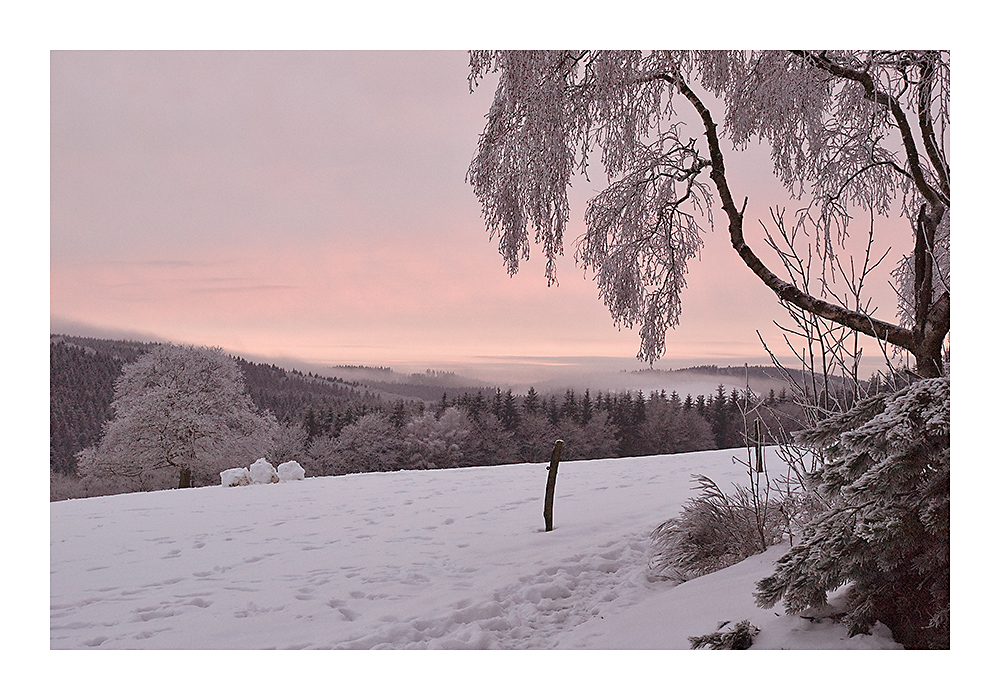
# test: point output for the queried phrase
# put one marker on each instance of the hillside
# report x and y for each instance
(81, 388)
(439, 559)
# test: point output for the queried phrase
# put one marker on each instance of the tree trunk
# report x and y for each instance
(185, 478)
(550, 484)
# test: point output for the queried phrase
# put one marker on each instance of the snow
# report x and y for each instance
(239, 476)
(438, 559)
(291, 471)
(263, 472)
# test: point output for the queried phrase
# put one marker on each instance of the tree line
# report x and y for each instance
(334, 427)
(500, 427)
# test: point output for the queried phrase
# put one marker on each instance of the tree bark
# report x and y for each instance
(550, 484)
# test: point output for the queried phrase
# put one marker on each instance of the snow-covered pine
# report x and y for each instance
(741, 636)
(886, 469)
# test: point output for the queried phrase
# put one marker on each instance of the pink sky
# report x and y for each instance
(314, 206)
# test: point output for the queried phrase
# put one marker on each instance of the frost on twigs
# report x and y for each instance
(848, 131)
(178, 411)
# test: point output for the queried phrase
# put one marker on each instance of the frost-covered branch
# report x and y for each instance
(831, 119)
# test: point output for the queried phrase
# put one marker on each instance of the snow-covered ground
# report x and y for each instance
(450, 559)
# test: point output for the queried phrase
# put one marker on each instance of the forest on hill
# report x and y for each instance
(336, 426)
(82, 379)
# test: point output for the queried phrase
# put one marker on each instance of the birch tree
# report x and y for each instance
(848, 131)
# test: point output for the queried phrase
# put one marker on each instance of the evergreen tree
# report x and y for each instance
(700, 405)
(640, 409)
(887, 471)
(509, 415)
(569, 407)
(720, 417)
(531, 403)
(476, 407)
(628, 430)
(586, 408)
(553, 411)
(400, 415)
(81, 389)
(311, 424)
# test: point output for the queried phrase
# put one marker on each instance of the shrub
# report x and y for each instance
(714, 531)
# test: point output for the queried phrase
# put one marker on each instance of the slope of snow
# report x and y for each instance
(451, 559)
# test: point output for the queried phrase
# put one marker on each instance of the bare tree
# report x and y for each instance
(848, 130)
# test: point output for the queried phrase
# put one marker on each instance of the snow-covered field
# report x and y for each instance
(451, 559)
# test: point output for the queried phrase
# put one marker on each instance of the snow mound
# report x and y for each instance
(235, 477)
(263, 472)
(291, 471)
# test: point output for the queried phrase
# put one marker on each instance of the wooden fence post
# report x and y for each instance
(550, 484)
